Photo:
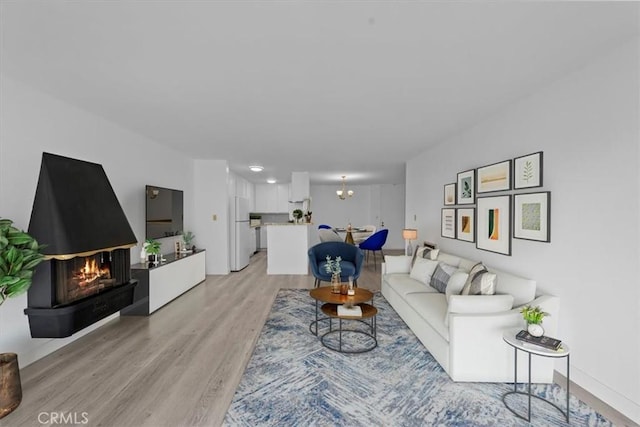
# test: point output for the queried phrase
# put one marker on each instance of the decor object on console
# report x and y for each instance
(450, 194)
(532, 216)
(496, 177)
(19, 255)
(527, 171)
(448, 223)
(152, 247)
(343, 193)
(534, 316)
(187, 238)
(464, 332)
(466, 189)
(494, 224)
(409, 234)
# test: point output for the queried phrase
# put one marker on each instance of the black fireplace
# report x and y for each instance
(86, 275)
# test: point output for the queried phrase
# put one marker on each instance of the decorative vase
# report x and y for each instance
(335, 284)
(10, 388)
(535, 329)
(153, 258)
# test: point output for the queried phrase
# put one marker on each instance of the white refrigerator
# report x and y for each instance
(240, 234)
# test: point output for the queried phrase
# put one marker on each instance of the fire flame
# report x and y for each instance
(91, 272)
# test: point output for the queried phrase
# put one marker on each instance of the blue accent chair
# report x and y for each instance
(374, 243)
(352, 260)
(321, 226)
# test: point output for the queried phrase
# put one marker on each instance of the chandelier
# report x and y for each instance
(342, 192)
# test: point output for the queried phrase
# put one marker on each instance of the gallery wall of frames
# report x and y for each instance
(491, 204)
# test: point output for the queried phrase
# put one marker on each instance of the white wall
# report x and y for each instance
(370, 205)
(211, 188)
(32, 122)
(587, 126)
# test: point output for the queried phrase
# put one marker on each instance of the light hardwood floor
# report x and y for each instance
(177, 367)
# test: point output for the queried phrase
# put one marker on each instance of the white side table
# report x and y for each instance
(509, 336)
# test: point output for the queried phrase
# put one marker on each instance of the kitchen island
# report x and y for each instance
(287, 246)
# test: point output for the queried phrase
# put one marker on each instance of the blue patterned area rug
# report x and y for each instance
(293, 380)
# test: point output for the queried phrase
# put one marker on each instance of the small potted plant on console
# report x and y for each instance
(152, 247)
(187, 238)
(297, 214)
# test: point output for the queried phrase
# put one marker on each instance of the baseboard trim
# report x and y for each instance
(603, 408)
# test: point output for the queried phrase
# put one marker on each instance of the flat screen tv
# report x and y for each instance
(164, 212)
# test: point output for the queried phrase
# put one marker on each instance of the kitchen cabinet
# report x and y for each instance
(271, 198)
(263, 237)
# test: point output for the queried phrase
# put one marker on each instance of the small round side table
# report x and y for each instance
(509, 336)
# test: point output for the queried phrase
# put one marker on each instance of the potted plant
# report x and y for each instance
(297, 214)
(534, 316)
(187, 238)
(19, 255)
(152, 247)
(307, 216)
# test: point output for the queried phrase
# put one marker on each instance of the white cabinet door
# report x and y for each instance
(282, 198)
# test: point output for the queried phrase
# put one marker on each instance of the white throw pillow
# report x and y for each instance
(456, 283)
(423, 269)
(397, 264)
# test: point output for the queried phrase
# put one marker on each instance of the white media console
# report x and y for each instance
(160, 284)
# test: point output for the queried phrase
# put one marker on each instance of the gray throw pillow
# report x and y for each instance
(440, 277)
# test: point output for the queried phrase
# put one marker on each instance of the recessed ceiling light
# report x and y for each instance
(256, 168)
(271, 181)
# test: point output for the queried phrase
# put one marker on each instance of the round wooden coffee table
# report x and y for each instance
(330, 310)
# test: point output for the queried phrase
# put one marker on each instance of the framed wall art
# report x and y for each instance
(527, 171)
(496, 177)
(532, 216)
(466, 188)
(450, 194)
(493, 225)
(465, 224)
(448, 223)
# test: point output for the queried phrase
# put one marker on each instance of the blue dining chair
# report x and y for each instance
(374, 243)
(351, 264)
(321, 226)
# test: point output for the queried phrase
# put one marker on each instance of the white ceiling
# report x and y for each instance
(334, 88)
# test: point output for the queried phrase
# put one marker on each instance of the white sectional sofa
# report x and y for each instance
(464, 332)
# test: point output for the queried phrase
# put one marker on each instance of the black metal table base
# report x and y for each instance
(340, 331)
(528, 392)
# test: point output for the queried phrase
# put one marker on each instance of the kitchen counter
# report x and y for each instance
(287, 245)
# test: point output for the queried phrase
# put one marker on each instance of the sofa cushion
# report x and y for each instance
(397, 264)
(441, 276)
(523, 290)
(403, 284)
(423, 269)
(456, 283)
(432, 307)
(476, 304)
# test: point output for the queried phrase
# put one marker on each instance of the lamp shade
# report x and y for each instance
(409, 233)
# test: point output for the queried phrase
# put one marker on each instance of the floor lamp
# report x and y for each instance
(409, 234)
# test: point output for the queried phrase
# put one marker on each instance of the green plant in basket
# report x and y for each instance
(533, 315)
(19, 255)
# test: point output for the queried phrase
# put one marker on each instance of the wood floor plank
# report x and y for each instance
(177, 367)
